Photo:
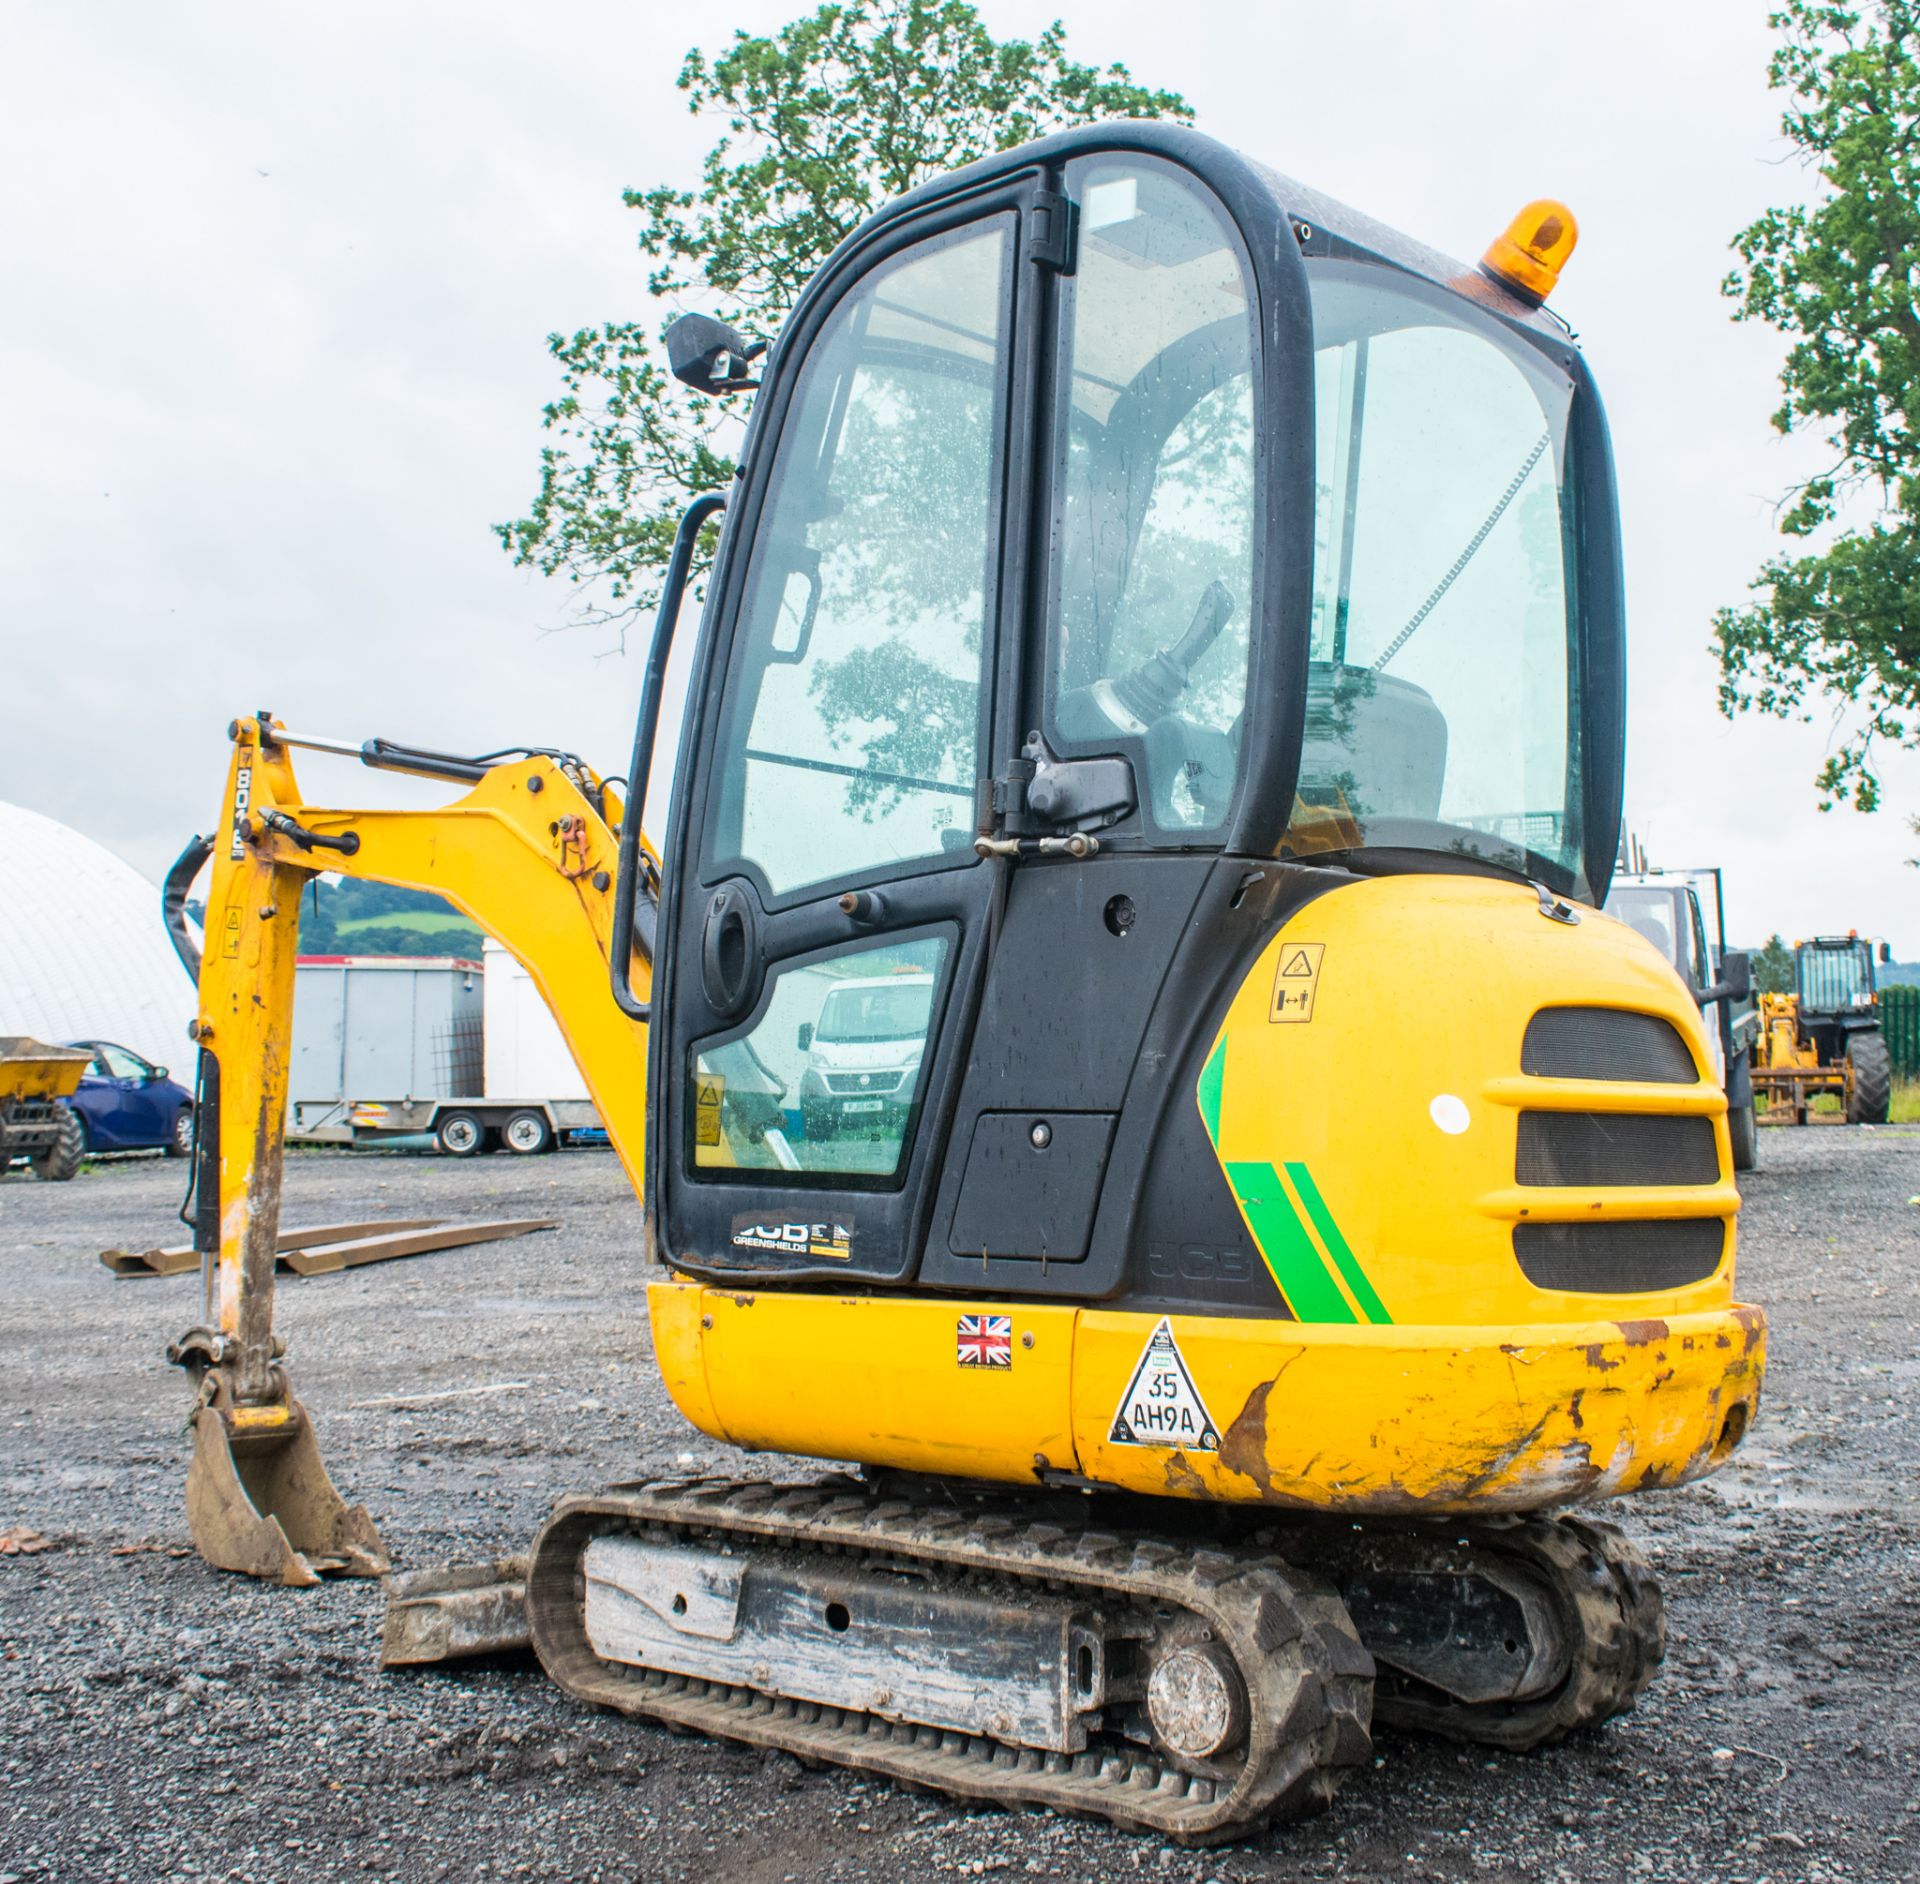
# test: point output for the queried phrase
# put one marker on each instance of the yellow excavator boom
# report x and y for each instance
(528, 853)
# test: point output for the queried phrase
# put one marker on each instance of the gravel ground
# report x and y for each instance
(158, 1720)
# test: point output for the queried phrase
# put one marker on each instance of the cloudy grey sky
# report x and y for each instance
(271, 361)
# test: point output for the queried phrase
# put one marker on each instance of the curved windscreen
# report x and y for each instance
(1442, 708)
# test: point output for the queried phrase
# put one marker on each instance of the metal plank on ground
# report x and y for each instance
(327, 1259)
(182, 1257)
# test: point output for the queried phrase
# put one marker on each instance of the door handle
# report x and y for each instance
(730, 951)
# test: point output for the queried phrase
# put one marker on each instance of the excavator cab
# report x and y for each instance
(1129, 1069)
(1119, 523)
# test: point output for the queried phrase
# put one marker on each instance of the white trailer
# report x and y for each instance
(465, 1052)
(531, 1096)
(405, 1025)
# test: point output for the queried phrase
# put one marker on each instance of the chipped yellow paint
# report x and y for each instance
(1433, 1420)
(1363, 1420)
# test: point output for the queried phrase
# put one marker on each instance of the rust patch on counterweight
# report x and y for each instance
(1557, 1473)
(1243, 1446)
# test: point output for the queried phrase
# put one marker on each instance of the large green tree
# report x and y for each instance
(825, 120)
(1840, 275)
(1773, 967)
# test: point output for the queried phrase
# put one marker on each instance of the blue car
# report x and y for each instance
(126, 1103)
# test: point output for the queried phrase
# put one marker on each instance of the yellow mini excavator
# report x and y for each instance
(1114, 1043)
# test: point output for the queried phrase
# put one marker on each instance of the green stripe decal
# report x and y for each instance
(1371, 1305)
(1297, 1267)
(1213, 1077)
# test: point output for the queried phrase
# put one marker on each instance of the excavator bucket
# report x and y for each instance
(259, 1500)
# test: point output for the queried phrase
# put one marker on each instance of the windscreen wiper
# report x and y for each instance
(1466, 556)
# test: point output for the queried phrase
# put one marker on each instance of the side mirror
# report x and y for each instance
(804, 1038)
(1735, 983)
(1886, 953)
(155, 1075)
(710, 356)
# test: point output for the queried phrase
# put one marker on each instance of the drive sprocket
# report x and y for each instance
(1611, 1626)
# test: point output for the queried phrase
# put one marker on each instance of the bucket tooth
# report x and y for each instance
(259, 1500)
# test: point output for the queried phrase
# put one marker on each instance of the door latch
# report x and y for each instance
(1079, 792)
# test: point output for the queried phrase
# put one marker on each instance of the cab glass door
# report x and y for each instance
(851, 738)
(1153, 576)
(827, 948)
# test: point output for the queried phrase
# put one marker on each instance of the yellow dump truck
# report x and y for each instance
(36, 1123)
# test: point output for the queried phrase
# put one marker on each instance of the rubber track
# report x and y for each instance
(1610, 1606)
(1309, 1680)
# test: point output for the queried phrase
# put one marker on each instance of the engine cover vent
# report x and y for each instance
(1620, 1258)
(1606, 1043)
(1587, 1148)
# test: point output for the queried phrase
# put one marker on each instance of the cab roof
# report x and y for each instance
(1268, 205)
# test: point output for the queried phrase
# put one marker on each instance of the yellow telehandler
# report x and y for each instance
(1113, 1044)
(1823, 1038)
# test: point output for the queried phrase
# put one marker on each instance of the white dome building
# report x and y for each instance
(83, 951)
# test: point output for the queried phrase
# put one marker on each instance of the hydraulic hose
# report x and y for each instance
(173, 903)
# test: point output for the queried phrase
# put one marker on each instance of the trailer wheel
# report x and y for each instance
(459, 1134)
(1872, 1078)
(1745, 1135)
(527, 1133)
(62, 1158)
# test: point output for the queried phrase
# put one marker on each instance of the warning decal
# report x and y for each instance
(1296, 981)
(709, 1089)
(1162, 1406)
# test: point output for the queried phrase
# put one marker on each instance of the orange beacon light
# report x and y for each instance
(1530, 253)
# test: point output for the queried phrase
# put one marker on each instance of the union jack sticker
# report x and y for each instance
(985, 1341)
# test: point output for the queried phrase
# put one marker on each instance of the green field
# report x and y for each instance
(427, 921)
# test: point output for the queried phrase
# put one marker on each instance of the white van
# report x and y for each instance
(863, 1054)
